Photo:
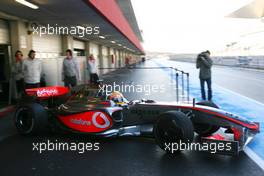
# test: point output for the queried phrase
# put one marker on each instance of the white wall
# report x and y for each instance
(47, 46)
(4, 32)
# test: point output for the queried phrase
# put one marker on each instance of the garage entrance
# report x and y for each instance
(5, 63)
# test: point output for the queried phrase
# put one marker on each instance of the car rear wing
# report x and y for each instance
(47, 92)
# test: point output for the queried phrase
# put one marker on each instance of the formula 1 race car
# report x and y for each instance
(90, 110)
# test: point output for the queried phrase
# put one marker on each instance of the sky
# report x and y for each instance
(191, 26)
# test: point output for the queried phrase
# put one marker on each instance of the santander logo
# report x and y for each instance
(46, 92)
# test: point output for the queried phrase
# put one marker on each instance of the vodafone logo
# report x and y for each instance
(81, 122)
(90, 121)
(97, 119)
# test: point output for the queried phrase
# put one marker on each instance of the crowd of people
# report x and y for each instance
(28, 72)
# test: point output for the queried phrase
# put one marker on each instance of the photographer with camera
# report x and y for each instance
(205, 63)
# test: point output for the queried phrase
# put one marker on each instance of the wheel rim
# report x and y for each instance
(24, 120)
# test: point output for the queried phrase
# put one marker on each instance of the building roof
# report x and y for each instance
(128, 11)
(107, 15)
(254, 9)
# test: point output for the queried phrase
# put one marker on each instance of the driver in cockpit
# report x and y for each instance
(117, 98)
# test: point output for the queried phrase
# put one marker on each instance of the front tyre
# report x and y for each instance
(171, 129)
(31, 119)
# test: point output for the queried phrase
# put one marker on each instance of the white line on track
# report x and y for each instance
(258, 160)
(249, 99)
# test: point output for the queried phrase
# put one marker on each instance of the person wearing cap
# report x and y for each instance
(70, 70)
(32, 69)
(205, 63)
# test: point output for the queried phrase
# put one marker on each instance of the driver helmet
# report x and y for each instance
(117, 97)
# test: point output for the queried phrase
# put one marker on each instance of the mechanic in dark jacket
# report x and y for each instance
(204, 63)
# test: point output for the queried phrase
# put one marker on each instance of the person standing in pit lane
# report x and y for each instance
(32, 69)
(18, 73)
(205, 63)
(70, 70)
(92, 69)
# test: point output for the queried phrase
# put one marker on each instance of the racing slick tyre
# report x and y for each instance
(171, 129)
(31, 119)
(205, 130)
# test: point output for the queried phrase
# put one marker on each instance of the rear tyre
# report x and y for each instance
(171, 129)
(202, 129)
(31, 119)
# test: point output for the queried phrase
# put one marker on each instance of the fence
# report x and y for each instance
(180, 77)
(255, 62)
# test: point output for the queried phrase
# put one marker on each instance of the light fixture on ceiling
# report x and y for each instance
(102, 37)
(113, 41)
(119, 44)
(28, 4)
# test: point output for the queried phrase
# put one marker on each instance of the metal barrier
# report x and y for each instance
(174, 71)
(254, 62)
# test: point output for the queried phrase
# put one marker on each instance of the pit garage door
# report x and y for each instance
(49, 49)
(4, 32)
(4, 60)
(47, 46)
(79, 47)
(79, 52)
